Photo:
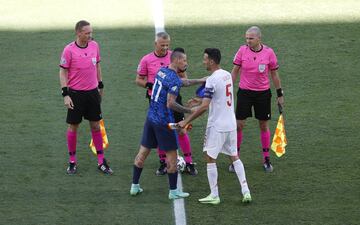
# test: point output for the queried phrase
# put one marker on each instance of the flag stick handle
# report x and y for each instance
(280, 109)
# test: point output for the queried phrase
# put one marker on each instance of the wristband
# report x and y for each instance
(279, 92)
(149, 85)
(101, 85)
(64, 91)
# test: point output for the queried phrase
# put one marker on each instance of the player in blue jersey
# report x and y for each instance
(156, 132)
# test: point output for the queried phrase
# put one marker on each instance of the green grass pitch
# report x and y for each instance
(315, 182)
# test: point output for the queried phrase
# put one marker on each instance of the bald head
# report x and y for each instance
(255, 30)
(253, 38)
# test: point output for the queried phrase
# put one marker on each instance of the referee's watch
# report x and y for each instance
(101, 85)
(64, 91)
(279, 92)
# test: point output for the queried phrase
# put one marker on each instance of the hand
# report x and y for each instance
(182, 124)
(101, 92)
(68, 102)
(204, 79)
(194, 102)
(149, 85)
(280, 101)
(195, 108)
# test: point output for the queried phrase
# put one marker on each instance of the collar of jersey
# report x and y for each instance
(161, 56)
(257, 50)
(87, 44)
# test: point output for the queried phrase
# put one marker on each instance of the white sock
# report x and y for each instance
(240, 172)
(212, 175)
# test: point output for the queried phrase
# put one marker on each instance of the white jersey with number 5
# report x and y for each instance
(221, 113)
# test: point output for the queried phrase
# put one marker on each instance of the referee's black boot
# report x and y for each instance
(105, 168)
(267, 165)
(190, 168)
(71, 168)
(162, 169)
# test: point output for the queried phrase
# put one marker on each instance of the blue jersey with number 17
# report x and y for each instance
(166, 81)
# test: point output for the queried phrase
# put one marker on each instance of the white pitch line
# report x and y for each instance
(158, 15)
(179, 206)
(159, 24)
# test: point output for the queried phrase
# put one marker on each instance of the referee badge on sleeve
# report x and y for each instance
(262, 68)
(94, 61)
(62, 61)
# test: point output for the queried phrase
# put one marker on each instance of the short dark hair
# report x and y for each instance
(179, 49)
(79, 25)
(162, 35)
(176, 55)
(214, 54)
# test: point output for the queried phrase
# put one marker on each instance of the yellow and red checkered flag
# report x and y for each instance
(279, 141)
(104, 137)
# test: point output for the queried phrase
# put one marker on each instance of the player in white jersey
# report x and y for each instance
(221, 127)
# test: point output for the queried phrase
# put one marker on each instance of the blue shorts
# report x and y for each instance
(161, 136)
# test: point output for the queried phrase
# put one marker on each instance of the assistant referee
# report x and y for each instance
(82, 88)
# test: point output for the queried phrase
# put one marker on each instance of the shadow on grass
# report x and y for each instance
(319, 74)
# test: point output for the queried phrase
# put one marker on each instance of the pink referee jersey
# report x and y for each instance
(81, 65)
(255, 67)
(150, 64)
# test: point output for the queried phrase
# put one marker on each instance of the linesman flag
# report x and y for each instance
(279, 141)
(104, 137)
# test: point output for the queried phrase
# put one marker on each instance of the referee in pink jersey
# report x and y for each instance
(82, 88)
(254, 62)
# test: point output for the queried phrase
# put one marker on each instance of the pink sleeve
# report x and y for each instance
(65, 60)
(237, 58)
(142, 67)
(273, 65)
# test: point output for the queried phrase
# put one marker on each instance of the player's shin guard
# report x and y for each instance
(265, 142)
(98, 142)
(173, 180)
(240, 172)
(212, 175)
(71, 143)
(184, 142)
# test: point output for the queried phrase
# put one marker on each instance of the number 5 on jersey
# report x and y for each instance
(229, 94)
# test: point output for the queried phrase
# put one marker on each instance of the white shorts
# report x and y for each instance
(216, 142)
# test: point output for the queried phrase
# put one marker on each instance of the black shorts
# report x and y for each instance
(260, 100)
(86, 104)
(178, 116)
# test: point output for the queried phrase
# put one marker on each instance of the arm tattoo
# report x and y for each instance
(179, 108)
